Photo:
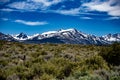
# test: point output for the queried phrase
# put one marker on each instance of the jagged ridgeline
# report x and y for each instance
(68, 36)
(19, 61)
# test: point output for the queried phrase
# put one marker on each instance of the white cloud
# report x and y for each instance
(7, 9)
(115, 12)
(86, 18)
(4, 19)
(47, 2)
(24, 5)
(34, 4)
(73, 12)
(112, 18)
(30, 23)
(111, 7)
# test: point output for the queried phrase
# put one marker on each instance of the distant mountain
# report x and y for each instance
(112, 37)
(20, 36)
(68, 36)
(6, 37)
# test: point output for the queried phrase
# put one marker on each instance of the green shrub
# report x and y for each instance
(111, 54)
(2, 75)
(37, 69)
(47, 77)
(84, 75)
(24, 73)
(13, 77)
(79, 74)
(115, 78)
(2, 43)
(3, 62)
(43, 53)
(104, 74)
(49, 68)
(96, 62)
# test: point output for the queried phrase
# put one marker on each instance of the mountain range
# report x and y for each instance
(68, 36)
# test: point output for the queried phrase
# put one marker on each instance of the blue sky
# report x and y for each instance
(98, 17)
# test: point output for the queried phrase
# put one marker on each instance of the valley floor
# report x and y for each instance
(19, 61)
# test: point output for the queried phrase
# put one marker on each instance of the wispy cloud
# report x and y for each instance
(34, 4)
(112, 7)
(7, 9)
(73, 12)
(4, 19)
(24, 6)
(86, 18)
(30, 23)
(112, 18)
(47, 3)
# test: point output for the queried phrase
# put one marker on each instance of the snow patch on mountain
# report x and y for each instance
(20, 36)
(112, 37)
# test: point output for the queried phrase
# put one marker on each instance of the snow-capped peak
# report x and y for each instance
(69, 30)
(35, 35)
(49, 32)
(20, 36)
(112, 37)
(59, 32)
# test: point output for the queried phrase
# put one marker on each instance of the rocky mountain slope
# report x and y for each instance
(68, 36)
